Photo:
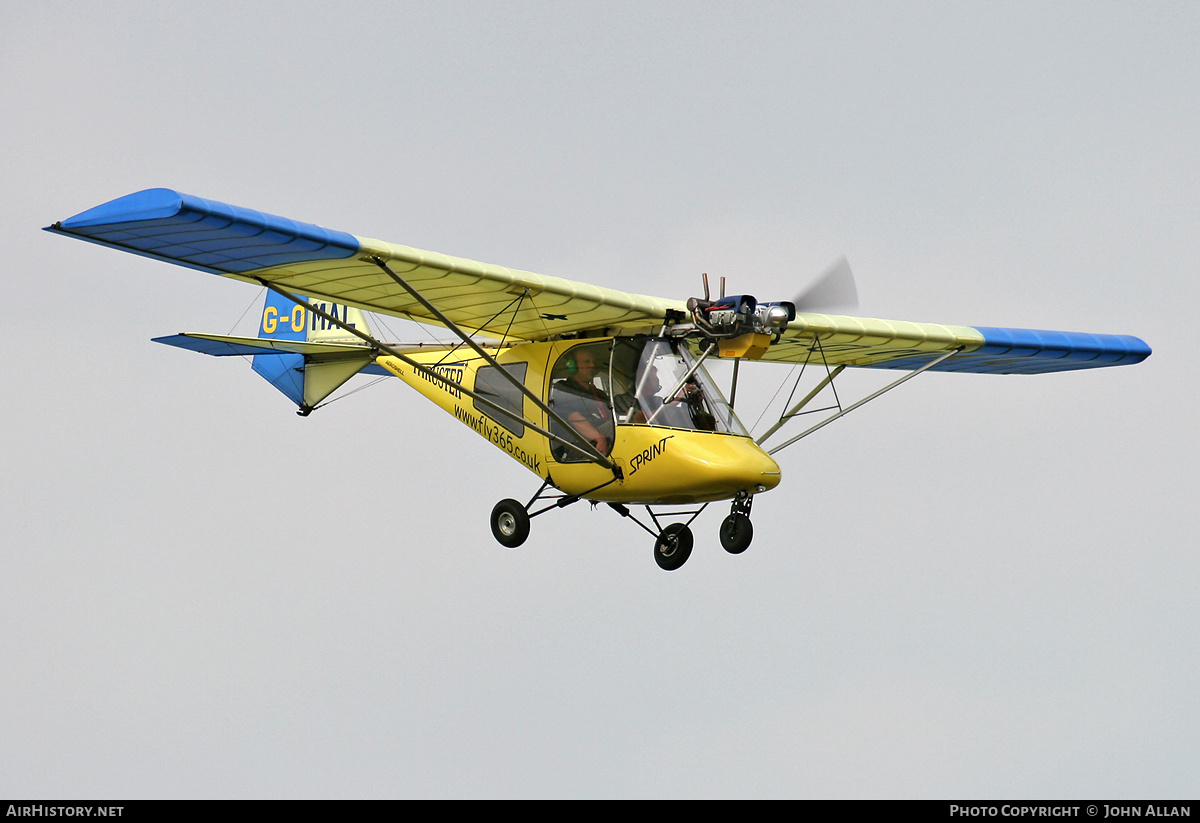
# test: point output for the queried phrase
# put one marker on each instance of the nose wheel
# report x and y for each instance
(736, 530)
(736, 533)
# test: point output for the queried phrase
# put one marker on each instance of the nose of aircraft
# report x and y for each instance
(752, 468)
(724, 465)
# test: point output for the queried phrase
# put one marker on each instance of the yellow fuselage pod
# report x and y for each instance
(657, 464)
(667, 466)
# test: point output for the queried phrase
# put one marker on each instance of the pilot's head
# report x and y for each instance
(650, 382)
(585, 367)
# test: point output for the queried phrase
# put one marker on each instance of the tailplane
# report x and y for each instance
(297, 351)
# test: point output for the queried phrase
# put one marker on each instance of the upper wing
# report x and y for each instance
(307, 259)
(889, 344)
(507, 303)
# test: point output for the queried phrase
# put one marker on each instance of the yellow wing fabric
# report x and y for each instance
(865, 341)
(306, 259)
(494, 300)
(890, 344)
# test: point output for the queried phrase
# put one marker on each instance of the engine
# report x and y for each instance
(740, 314)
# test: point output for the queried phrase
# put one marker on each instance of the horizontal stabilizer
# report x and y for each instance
(222, 345)
(306, 371)
(225, 345)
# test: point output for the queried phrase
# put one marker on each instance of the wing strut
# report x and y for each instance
(854, 406)
(592, 452)
(794, 410)
(733, 383)
(425, 370)
(430, 373)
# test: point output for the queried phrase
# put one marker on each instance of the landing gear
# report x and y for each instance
(510, 523)
(672, 543)
(510, 519)
(673, 547)
(736, 533)
(736, 529)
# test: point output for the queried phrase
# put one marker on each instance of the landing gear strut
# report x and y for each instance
(510, 519)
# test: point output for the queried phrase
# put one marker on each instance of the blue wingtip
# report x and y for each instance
(151, 204)
(204, 234)
(1033, 351)
(1071, 350)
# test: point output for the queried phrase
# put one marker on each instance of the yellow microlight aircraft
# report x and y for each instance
(600, 393)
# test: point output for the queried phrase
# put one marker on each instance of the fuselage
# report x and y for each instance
(640, 402)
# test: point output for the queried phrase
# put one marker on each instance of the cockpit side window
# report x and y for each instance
(491, 385)
(580, 394)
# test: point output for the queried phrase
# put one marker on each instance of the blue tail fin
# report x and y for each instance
(283, 320)
(306, 380)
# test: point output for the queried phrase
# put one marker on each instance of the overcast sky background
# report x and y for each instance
(977, 586)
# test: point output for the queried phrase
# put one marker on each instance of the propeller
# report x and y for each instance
(835, 287)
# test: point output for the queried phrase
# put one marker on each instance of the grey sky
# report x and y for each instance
(978, 586)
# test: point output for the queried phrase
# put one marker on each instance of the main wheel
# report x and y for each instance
(510, 523)
(736, 533)
(673, 547)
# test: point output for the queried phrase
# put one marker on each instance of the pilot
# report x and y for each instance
(583, 405)
(648, 402)
(653, 408)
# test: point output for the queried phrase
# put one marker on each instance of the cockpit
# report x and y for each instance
(634, 381)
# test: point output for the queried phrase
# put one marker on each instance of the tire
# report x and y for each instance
(736, 533)
(510, 523)
(673, 547)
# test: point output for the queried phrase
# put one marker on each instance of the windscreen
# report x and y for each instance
(664, 387)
